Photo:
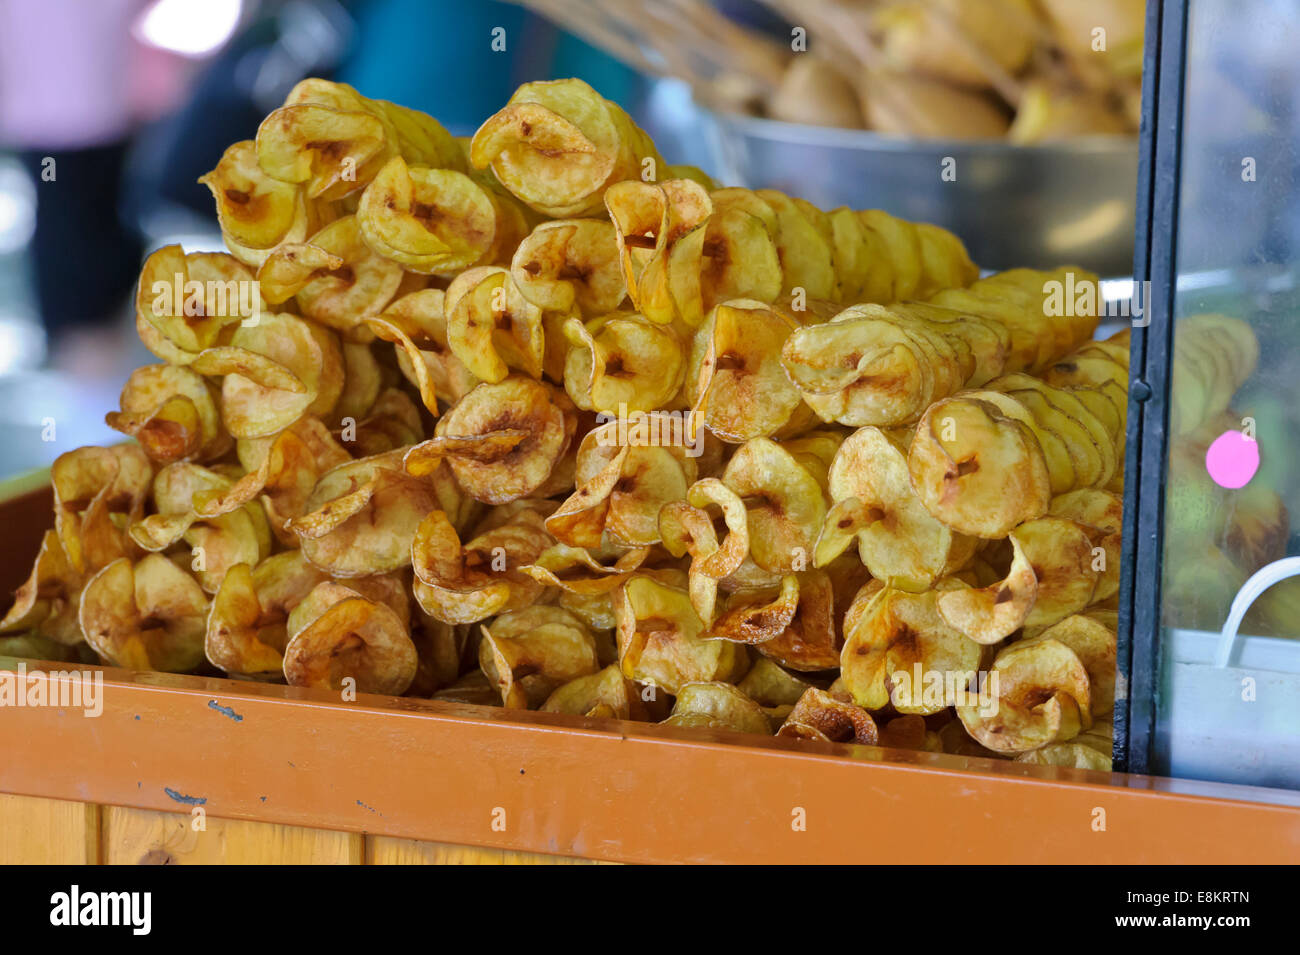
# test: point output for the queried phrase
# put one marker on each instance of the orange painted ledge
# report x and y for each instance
(613, 791)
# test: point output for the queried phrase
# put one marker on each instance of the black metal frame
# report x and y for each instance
(1154, 261)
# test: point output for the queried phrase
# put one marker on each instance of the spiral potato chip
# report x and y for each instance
(718, 705)
(622, 363)
(502, 440)
(417, 325)
(828, 717)
(659, 639)
(605, 693)
(348, 637)
(740, 389)
(484, 577)
(568, 265)
(899, 650)
(558, 145)
(1043, 696)
(491, 327)
(255, 211)
(898, 540)
(352, 284)
(333, 140)
(145, 616)
(533, 652)
(247, 623)
(172, 411)
(437, 220)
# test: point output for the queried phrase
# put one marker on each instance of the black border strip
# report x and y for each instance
(1150, 361)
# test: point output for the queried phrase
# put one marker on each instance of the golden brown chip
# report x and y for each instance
(501, 440)
(899, 650)
(659, 639)
(1037, 693)
(145, 616)
(570, 264)
(821, 715)
(558, 145)
(491, 327)
(483, 578)
(351, 638)
(362, 516)
(716, 705)
(531, 653)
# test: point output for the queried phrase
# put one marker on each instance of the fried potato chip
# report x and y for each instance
(821, 715)
(492, 328)
(246, 626)
(95, 491)
(47, 593)
(351, 638)
(1093, 642)
(1060, 553)
(343, 295)
(274, 372)
(558, 145)
(183, 302)
(899, 650)
(621, 364)
(687, 527)
(716, 705)
(424, 354)
(661, 230)
(740, 389)
(756, 617)
(531, 653)
(253, 209)
(145, 616)
(172, 412)
(773, 688)
(334, 140)
(976, 469)
(362, 516)
(605, 693)
(570, 264)
(898, 539)
(575, 571)
(785, 503)
(659, 639)
(860, 370)
(435, 221)
(483, 578)
(1043, 696)
(501, 440)
(1103, 511)
(991, 613)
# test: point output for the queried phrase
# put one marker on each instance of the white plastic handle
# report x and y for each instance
(1259, 582)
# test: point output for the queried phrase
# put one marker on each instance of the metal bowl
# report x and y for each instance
(1033, 206)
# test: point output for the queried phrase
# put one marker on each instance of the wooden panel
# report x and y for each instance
(385, 850)
(538, 782)
(142, 837)
(35, 831)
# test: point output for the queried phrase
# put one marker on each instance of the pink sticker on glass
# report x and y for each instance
(1232, 459)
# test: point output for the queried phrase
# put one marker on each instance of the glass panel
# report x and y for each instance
(1229, 708)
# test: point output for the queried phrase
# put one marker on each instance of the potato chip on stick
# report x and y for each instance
(558, 145)
(333, 140)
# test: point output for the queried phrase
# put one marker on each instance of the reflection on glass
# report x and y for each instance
(1234, 406)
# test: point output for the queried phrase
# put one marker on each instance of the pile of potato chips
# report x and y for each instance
(537, 420)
